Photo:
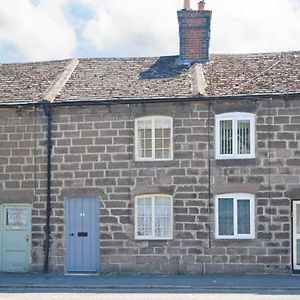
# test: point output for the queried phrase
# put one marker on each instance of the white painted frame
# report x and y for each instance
(234, 117)
(152, 236)
(235, 197)
(152, 119)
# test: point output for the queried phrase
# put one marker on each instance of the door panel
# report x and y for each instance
(16, 225)
(296, 235)
(82, 235)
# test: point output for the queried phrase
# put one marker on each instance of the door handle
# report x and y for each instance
(71, 234)
(27, 238)
(82, 234)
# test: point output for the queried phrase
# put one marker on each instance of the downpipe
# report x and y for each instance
(48, 113)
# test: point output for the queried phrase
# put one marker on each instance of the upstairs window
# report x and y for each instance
(153, 217)
(235, 136)
(153, 138)
(234, 215)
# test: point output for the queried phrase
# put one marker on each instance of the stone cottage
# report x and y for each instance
(170, 165)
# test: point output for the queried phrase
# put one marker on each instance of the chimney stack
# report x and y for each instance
(194, 33)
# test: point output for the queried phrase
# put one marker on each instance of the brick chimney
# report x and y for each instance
(194, 34)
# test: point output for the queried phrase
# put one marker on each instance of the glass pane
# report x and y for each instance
(162, 217)
(298, 252)
(226, 137)
(144, 143)
(143, 124)
(167, 132)
(158, 133)
(162, 123)
(158, 143)
(16, 217)
(243, 137)
(144, 138)
(225, 216)
(148, 133)
(162, 142)
(144, 224)
(298, 218)
(159, 153)
(148, 144)
(243, 211)
(167, 143)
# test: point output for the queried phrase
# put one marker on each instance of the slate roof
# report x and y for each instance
(147, 78)
(248, 74)
(28, 82)
(127, 78)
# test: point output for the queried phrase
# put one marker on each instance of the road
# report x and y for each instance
(11, 295)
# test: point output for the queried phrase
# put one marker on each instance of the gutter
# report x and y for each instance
(200, 98)
(48, 113)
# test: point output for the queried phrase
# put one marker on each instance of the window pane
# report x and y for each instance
(298, 252)
(162, 141)
(148, 133)
(243, 137)
(144, 124)
(225, 216)
(16, 217)
(298, 218)
(162, 217)
(158, 143)
(159, 153)
(243, 211)
(162, 123)
(144, 143)
(144, 218)
(226, 137)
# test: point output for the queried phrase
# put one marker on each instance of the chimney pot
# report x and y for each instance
(201, 5)
(187, 4)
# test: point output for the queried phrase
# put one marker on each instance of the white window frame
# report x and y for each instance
(152, 236)
(234, 117)
(235, 197)
(152, 119)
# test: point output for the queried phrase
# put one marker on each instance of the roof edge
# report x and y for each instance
(127, 101)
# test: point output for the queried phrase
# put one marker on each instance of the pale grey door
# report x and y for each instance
(16, 238)
(82, 235)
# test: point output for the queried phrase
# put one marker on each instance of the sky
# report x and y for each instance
(35, 30)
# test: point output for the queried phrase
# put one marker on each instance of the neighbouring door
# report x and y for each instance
(16, 237)
(82, 235)
(296, 235)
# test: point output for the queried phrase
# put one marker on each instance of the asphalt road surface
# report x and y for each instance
(141, 296)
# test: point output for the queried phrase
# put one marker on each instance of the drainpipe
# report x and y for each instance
(209, 174)
(48, 113)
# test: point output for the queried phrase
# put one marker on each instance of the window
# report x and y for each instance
(235, 136)
(153, 138)
(153, 217)
(234, 215)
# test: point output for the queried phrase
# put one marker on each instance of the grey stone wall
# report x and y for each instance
(93, 154)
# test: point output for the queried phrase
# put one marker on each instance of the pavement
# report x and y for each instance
(229, 283)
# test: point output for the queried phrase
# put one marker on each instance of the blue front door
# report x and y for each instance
(82, 235)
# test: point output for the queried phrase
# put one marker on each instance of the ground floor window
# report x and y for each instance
(154, 217)
(234, 216)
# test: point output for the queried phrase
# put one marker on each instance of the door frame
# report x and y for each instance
(294, 202)
(2, 229)
(66, 258)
